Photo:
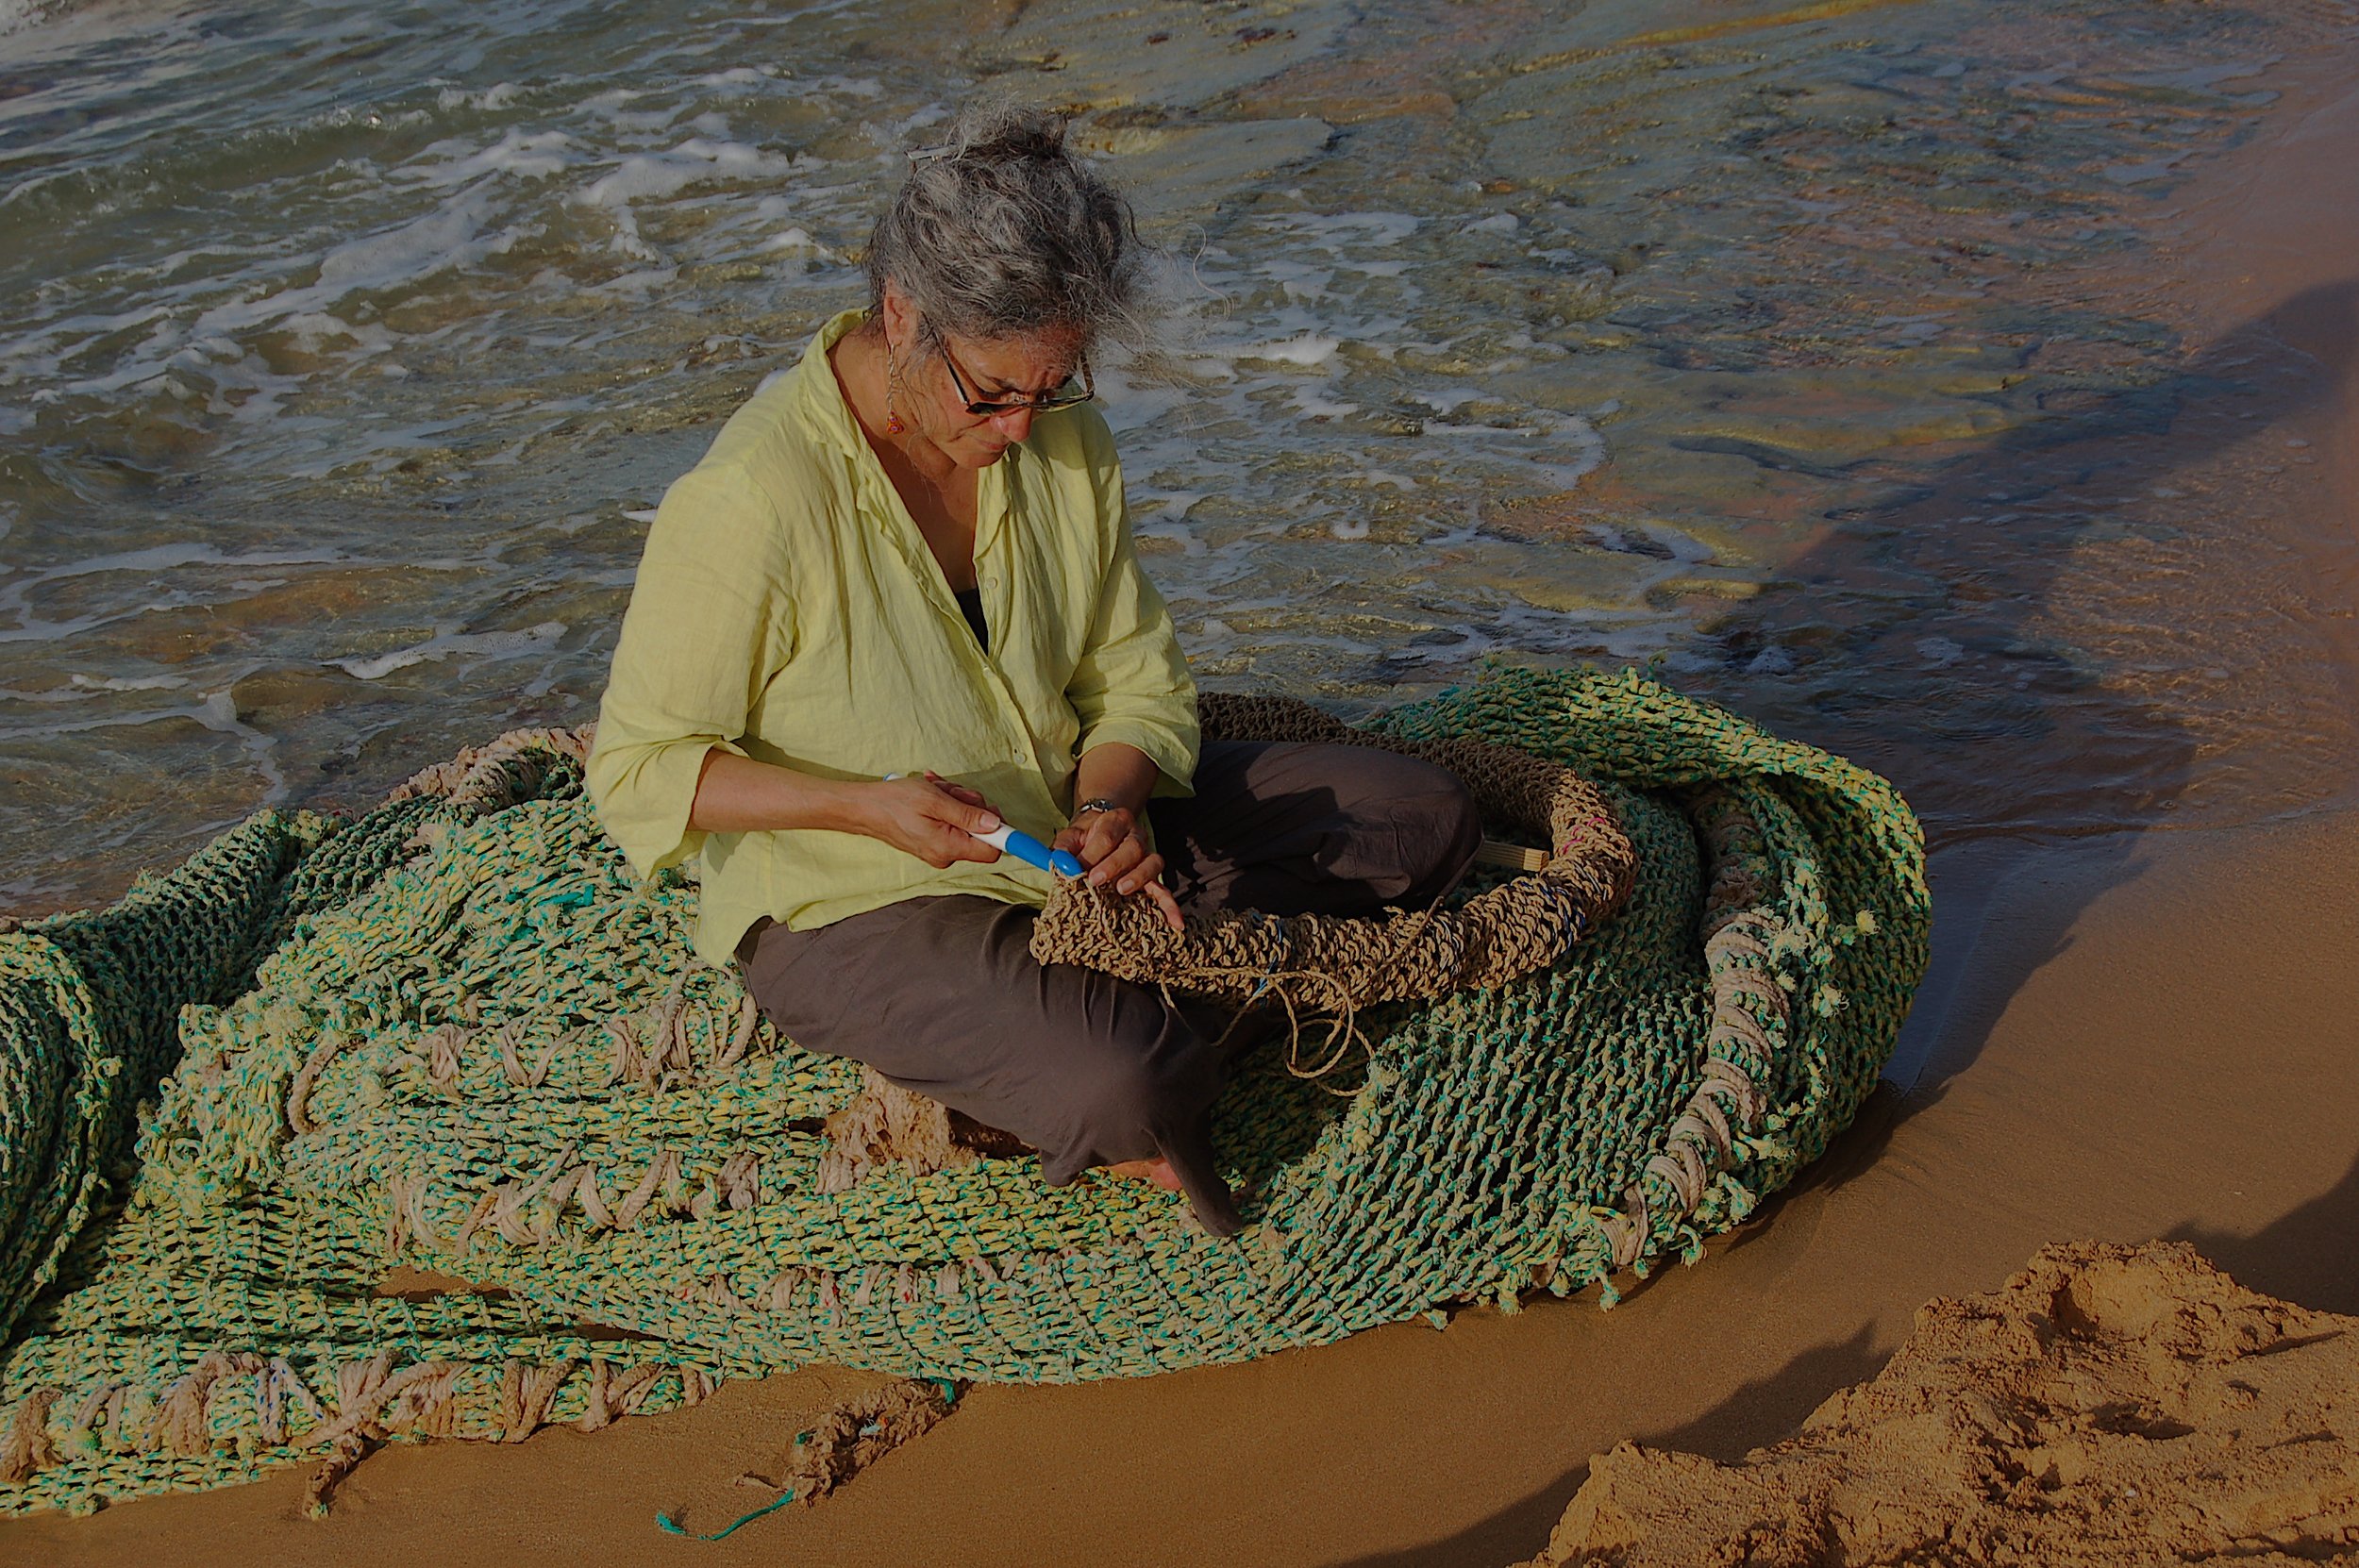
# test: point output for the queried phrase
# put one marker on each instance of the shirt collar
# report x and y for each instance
(818, 393)
(820, 396)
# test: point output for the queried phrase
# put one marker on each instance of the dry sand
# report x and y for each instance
(2111, 1405)
(2126, 1037)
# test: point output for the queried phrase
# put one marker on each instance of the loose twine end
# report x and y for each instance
(1328, 994)
(843, 1442)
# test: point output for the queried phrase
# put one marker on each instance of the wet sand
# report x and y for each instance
(2127, 1036)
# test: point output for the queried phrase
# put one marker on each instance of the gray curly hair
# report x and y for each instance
(1002, 232)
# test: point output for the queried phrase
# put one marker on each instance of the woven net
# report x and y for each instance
(456, 1036)
(1499, 935)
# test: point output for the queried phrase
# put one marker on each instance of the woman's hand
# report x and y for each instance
(931, 818)
(1109, 844)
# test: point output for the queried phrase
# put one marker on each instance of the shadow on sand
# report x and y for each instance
(2004, 745)
(2306, 1256)
(1760, 1412)
(2004, 755)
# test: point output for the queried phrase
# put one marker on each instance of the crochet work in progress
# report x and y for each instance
(456, 1036)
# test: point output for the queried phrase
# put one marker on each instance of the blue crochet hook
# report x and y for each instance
(1011, 840)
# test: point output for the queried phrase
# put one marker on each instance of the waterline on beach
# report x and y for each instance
(343, 366)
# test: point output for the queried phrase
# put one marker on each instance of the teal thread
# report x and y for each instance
(665, 1523)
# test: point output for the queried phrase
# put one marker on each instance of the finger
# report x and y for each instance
(1166, 902)
(1116, 861)
(959, 793)
(1106, 835)
(944, 841)
(1070, 840)
(1148, 870)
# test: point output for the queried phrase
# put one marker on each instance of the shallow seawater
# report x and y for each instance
(1805, 356)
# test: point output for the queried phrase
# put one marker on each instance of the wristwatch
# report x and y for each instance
(1101, 804)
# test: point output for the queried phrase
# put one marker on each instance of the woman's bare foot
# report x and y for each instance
(1157, 1171)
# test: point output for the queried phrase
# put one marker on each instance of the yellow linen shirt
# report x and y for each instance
(788, 610)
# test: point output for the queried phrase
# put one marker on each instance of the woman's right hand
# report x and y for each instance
(931, 818)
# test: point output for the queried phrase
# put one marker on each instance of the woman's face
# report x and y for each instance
(992, 369)
(1002, 370)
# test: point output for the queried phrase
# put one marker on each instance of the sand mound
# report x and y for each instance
(2109, 1405)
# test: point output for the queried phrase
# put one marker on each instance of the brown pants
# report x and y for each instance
(942, 996)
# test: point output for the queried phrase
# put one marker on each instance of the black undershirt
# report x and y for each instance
(971, 606)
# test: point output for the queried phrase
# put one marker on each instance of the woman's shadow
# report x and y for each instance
(2013, 750)
(2010, 752)
(2305, 1255)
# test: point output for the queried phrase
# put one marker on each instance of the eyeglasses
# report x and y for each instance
(990, 408)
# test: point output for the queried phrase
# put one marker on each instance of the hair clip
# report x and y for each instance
(927, 155)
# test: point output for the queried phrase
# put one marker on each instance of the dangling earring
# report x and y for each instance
(893, 384)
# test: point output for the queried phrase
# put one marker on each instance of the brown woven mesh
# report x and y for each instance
(1329, 964)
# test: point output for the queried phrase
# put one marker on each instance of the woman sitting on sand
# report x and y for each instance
(910, 555)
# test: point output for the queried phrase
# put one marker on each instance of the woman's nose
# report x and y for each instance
(1016, 424)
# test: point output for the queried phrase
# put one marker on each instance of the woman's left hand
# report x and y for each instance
(1111, 846)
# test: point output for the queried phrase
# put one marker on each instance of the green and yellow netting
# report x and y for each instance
(455, 1036)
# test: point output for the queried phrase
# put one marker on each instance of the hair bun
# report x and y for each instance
(1003, 230)
(1031, 142)
(1014, 133)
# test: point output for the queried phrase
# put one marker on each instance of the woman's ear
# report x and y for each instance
(900, 316)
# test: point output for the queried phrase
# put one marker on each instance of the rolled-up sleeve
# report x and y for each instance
(1131, 683)
(711, 616)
